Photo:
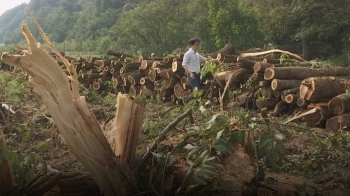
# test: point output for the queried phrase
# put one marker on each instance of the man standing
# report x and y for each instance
(191, 63)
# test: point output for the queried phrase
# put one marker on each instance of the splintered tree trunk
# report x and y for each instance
(77, 125)
(128, 123)
(300, 73)
(320, 88)
(6, 177)
(279, 85)
(339, 104)
(337, 123)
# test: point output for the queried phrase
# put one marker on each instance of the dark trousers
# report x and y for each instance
(195, 82)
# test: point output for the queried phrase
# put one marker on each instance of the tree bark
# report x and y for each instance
(339, 104)
(77, 125)
(337, 123)
(301, 73)
(321, 88)
(279, 85)
(319, 117)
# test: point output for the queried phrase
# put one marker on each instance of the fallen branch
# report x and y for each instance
(170, 126)
(271, 51)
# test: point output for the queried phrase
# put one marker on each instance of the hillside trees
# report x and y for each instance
(235, 23)
(316, 28)
(162, 25)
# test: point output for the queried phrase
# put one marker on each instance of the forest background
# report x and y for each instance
(309, 27)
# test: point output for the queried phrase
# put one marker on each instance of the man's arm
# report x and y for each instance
(201, 58)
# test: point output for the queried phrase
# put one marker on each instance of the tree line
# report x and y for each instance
(309, 27)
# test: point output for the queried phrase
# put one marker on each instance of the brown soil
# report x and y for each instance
(238, 168)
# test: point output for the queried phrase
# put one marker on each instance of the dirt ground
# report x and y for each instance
(324, 171)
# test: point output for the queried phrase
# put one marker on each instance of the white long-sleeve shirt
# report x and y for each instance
(192, 60)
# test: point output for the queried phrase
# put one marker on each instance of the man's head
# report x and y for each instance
(194, 43)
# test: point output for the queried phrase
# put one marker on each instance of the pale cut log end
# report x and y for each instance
(269, 73)
(174, 66)
(274, 84)
(142, 81)
(156, 63)
(131, 80)
(144, 64)
(257, 66)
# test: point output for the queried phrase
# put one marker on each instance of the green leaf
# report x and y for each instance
(5, 154)
(2, 136)
(217, 123)
(216, 165)
(217, 138)
(208, 172)
(280, 147)
(204, 143)
(265, 141)
(270, 160)
(29, 175)
(223, 149)
(199, 181)
(189, 147)
(46, 145)
(194, 151)
(22, 157)
(238, 136)
(261, 173)
(193, 189)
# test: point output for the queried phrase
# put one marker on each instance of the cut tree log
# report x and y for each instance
(339, 104)
(301, 73)
(301, 102)
(6, 177)
(178, 91)
(337, 123)
(315, 89)
(117, 53)
(146, 64)
(320, 116)
(224, 58)
(134, 90)
(291, 99)
(266, 103)
(280, 85)
(76, 124)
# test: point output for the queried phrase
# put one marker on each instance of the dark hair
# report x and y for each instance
(193, 41)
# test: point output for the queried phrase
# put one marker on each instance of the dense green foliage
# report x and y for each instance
(316, 29)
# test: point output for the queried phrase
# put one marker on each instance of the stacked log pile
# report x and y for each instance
(263, 82)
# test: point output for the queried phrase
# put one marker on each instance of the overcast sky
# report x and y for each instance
(9, 4)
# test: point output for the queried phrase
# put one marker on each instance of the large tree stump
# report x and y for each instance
(128, 124)
(76, 124)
